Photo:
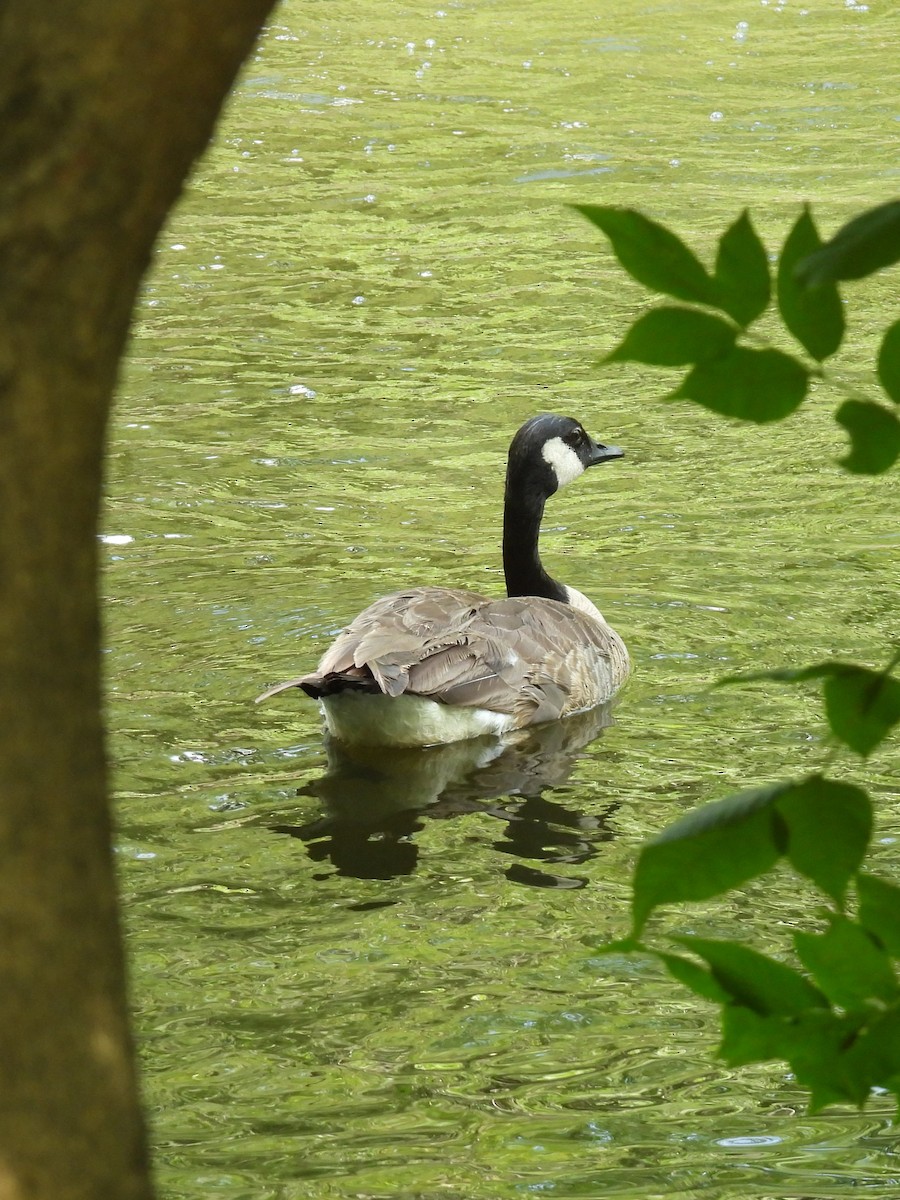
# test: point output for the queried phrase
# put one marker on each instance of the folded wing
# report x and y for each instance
(528, 657)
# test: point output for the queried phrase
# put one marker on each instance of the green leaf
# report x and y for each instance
(889, 362)
(879, 910)
(814, 315)
(828, 829)
(873, 1058)
(779, 674)
(847, 965)
(753, 385)
(742, 272)
(707, 852)
(672, 337)
(862, 706)
(875, 434)
(864, 245)
(811, 1043)
(748, 1037)
(652, 254)
(754, 980)
(693, 976)
(819, 1061)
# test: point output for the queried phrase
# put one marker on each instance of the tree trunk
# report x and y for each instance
(104, 105)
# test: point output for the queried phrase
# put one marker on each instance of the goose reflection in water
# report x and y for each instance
(375, 799)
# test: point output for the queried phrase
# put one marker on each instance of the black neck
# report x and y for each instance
(525, 576)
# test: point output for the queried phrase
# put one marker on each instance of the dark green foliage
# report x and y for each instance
(839, 1032)
(813, 1043)
(814, 315)
(753, 980)
(847, 964)
(862, 705)
(873, 1058)
(875, 436)
(695, 977)
(751, 1036)
(820, 825)
(743, 286)
(673, 337)
(889, 362)
(829, 825)
(707, 852)
(836, 1021)
(879, 910)
(865, 244)
(652, 254)
(754, 385)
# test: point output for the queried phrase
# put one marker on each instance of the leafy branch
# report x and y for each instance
(737, 379)
(835, 1018)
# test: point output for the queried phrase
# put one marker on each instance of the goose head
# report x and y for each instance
(550, 451)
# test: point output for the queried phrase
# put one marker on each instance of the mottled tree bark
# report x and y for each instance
(104, 105)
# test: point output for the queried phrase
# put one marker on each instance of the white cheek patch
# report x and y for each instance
(562, 458)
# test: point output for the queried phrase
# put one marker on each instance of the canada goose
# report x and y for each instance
(434, 664)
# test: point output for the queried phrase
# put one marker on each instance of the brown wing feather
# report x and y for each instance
(535, 659)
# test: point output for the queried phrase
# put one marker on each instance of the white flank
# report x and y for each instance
(370, 719)
(580, 601)
(562, 458)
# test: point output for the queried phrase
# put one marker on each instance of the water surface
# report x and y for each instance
(371, 281)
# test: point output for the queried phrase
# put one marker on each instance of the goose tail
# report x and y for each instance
(318, 686)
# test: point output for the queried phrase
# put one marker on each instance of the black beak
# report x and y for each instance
(601, 454)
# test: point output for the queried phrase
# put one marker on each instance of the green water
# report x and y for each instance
(372, 280)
